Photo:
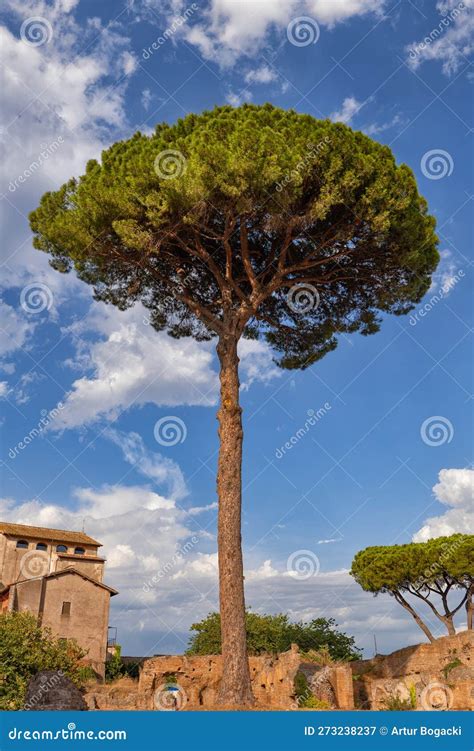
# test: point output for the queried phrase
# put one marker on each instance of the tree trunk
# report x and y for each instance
(469, 607)
(400, 599)
(235, 688)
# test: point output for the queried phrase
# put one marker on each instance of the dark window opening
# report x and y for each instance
(61, 549)
(79, 551)
(66, 610)
(22, 544)
(41, 546)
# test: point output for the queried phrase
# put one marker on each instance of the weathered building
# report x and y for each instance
(57, 575)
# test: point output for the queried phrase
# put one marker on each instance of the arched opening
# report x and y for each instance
(41, 546)
(79, 551)
(61, 549)
(22, 544)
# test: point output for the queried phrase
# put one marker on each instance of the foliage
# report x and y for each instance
(321, 656)
(114, 667)
(259, 199)
(450, 666)
(427, 570)
(275, 633)
(413, 696)
(312, 702)
(395, 703)
(25, 649)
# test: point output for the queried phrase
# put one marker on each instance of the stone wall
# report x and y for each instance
(428, 676)
(198, 679)
(184, 682)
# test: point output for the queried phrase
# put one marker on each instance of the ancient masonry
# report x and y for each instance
(431, 676)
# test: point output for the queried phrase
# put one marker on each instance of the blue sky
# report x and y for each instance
(398, 404)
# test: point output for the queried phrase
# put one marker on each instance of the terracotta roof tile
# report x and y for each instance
(45, 533)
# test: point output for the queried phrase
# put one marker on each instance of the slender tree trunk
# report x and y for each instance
(469, 607)
(235, 688)
(448, 621)
(399, 598)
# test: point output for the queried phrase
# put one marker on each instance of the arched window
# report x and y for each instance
(79, 551)
(41, 546)
(61, 549)
(22, 544)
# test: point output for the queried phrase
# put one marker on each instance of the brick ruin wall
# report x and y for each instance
(436, 676)
(433, 676)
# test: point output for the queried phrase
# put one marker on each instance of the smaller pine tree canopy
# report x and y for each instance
(211, 221)
(416, 565)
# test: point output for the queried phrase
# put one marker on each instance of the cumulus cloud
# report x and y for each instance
(226, 30)
(263, 74)
(62, 102)
(350, 107)
(15, 329)
(450, 42)
(129, 363)
(455, 489)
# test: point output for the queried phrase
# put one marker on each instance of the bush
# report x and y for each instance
(275, 633)
(395, 703)
(114, 668)
(25, 649)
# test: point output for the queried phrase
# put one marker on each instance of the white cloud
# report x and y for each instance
(447, 274)
(146, 98)
(350, 107)
(15, 329)
(225, 30)
(450, 42)
(131, 364)
(237, 99)
(61, 102)
(375, 128)
(264, 74)
(455, 489)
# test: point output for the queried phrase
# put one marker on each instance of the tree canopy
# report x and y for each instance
(232, 208)
(276, 633)
(431, 571)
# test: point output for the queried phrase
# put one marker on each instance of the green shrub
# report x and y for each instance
(25, 649)
(114, 668)
(395, 703)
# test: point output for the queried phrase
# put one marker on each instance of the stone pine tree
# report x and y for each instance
(438, 572)
(248, 222)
